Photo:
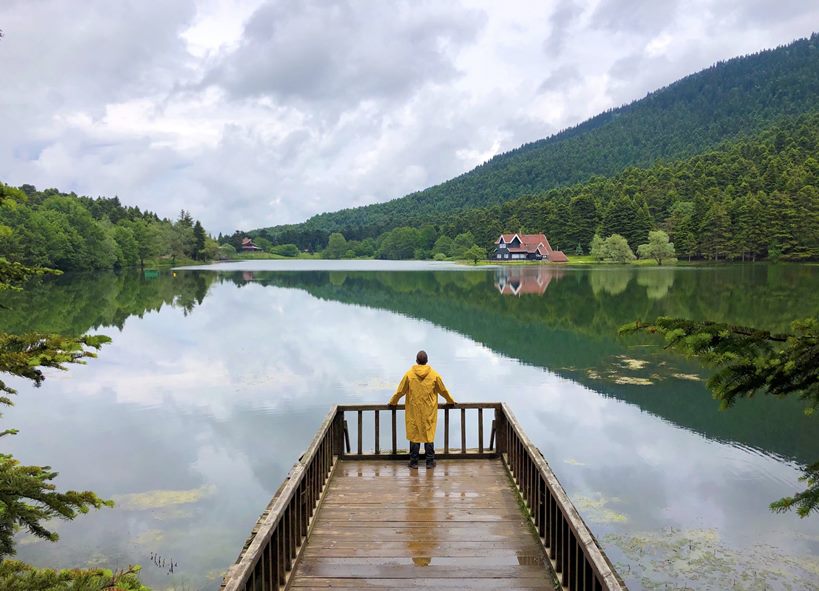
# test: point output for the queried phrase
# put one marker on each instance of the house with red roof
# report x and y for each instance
(248, 246)
(531, 247)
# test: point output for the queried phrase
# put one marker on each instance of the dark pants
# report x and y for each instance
(415, 449)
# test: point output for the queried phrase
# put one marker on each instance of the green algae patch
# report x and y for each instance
(158, 499)
(596, 509)
(150, 537)
(691, 377)
(613, 376)
(631, 364)
(698, 559)
(632, 380)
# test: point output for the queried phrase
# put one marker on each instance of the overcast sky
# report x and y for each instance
(252, 113)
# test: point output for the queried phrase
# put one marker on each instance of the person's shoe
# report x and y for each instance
(413, 465)
(431, 464)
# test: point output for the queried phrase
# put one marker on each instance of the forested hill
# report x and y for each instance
(729, 99)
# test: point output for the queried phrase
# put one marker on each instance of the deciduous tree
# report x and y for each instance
(657, 248)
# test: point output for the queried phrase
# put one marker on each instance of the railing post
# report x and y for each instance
(480, 430)
(446, 430)
(377, 432)
(393, 412)
(463, 430)
(346, 437)
(500, 431)
(360, 432)
(338, 434)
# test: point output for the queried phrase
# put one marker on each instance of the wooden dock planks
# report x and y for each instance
(456, 526)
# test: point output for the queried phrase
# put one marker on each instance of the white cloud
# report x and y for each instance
(259, 112)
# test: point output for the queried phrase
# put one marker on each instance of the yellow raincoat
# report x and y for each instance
(421, 385)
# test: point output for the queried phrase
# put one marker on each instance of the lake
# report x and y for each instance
(218, 377)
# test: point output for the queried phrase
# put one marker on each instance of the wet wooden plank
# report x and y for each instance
(459, 525)
(352, 549)
(319, 568)
(427, 583)
(419, 513)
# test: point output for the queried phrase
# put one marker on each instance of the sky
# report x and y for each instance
(253, 113)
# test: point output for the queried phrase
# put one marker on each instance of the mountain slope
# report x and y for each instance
(727, 100)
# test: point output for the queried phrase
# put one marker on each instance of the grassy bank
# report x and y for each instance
(573, 261)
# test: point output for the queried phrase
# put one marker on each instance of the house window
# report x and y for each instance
(502, 245)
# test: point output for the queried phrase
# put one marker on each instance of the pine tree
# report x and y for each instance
(715, 232)
(199, 237)
(28, 498)
(582, 220)
(681, 228)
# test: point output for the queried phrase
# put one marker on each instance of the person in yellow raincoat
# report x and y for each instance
(421, 385)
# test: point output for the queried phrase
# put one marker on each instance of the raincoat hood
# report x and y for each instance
(422, 371)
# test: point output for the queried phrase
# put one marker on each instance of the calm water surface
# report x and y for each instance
(217, 379)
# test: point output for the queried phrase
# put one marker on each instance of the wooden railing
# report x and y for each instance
(272, 551)
(485, 442)
(578, 559)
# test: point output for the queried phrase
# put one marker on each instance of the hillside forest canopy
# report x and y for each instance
(746, 199)
(729, 101)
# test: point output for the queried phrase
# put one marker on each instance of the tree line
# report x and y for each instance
(76, 233)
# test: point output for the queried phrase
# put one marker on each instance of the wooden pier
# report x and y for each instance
(487, 517)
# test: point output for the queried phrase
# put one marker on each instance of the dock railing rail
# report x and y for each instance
(271, 553)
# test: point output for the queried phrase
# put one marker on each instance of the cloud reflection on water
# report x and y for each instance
(226, 397)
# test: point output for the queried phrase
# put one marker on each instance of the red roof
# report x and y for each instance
(557, 256)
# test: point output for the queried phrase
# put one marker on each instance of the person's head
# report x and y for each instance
(421, 358)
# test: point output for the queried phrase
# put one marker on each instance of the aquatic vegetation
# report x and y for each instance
(153, 499)
(596, 510)
(613, 376)
(150, 537)
(632, 364)
(698, 559)
(634, 381)
(691, 377)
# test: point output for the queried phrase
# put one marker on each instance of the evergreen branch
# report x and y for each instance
(748, 361)
(806, 501)
(28, 497)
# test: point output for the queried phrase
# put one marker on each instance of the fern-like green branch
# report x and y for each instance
(750, 361)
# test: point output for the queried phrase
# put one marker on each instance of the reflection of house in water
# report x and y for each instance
(525, 280)
(247, 275)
